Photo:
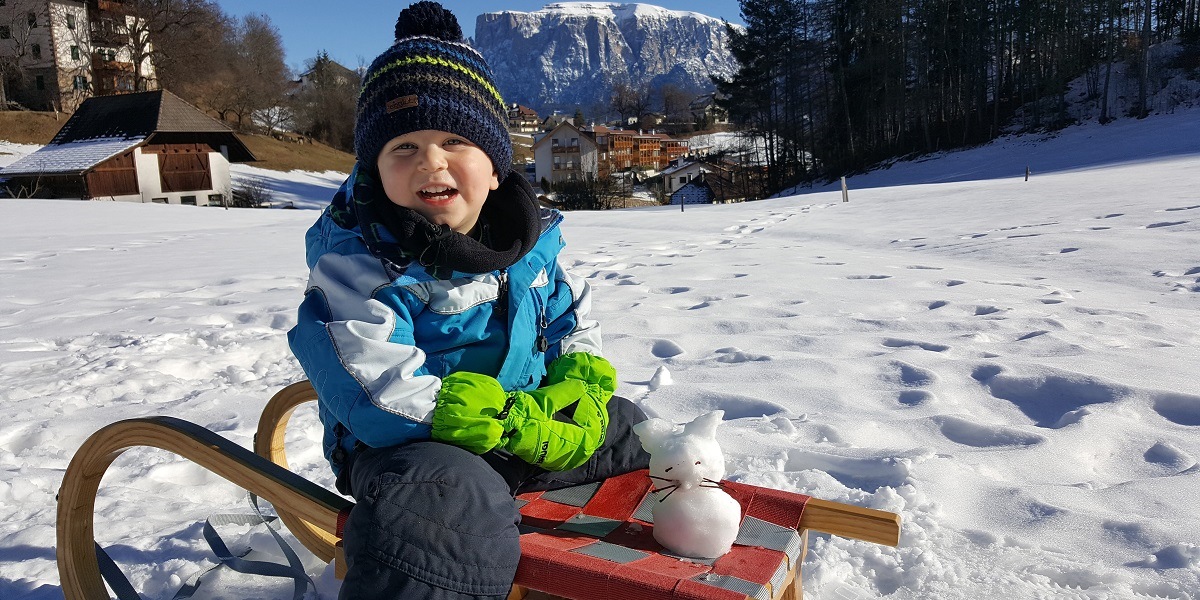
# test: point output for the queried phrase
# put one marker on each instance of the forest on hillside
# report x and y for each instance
(834, 86)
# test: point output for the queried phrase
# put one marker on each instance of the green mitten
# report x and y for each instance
(466, 411)
(589, 368)
(535, 437)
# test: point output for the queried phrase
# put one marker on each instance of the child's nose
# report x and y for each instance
(432, 158)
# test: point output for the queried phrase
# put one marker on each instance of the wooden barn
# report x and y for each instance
(144, 147)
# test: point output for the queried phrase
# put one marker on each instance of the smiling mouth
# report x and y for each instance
(438, 194)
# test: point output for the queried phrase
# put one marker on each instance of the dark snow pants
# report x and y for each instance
(436, 522)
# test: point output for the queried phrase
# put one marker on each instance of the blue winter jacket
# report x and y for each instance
(376, 347)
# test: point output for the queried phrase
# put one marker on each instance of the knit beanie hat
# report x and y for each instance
(431, 79)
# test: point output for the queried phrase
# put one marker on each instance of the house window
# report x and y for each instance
(32, 17)
(81, 82)
(70, 21)
(188, 200)
(36, 50)
(216, 199)
(682, 180)
(39, 82)
(159, 200)
(74, 52)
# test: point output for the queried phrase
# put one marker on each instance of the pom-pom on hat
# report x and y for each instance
(431, 79)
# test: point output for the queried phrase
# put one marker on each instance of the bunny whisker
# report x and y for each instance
(672, 488)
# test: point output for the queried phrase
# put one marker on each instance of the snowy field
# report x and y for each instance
(1010, 365)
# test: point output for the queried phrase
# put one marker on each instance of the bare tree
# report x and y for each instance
(19, 20)
(675, 102)
(192, 57)
(140, 24)
(630, 101)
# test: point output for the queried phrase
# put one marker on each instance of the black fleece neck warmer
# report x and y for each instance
(399, 235)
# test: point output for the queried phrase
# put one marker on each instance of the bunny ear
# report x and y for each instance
(653, 433)
(705, 425)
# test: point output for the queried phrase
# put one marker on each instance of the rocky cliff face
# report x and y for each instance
(570, 54)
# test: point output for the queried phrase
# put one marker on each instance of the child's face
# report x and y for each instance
(440, 175)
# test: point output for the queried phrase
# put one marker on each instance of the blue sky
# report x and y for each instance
(350, 29)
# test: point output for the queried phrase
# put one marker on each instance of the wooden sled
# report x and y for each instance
(567, 542)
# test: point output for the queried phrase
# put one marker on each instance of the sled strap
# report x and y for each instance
(294, 568)
(114, 577)
(78, 562)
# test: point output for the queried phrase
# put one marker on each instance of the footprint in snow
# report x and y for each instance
(901, 373)
(666, 349)
(1168, 458)
(915, 397)
(969, 433)
(1179, 208)
(734, 355)
(902, 343)
(1057, 399)
(867, 474)
(1165, 224)
(670, 290)
(1178, 408)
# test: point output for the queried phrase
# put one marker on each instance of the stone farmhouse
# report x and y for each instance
(57, 53)
(570, 153)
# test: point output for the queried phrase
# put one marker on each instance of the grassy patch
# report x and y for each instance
(27, 127)
(287, 156)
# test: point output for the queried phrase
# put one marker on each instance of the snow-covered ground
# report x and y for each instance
(1010, 365)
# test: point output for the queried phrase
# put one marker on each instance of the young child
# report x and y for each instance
(453, 356)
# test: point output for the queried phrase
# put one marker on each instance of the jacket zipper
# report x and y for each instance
(502, 296)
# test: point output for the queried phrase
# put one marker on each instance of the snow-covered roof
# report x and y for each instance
(70, 158)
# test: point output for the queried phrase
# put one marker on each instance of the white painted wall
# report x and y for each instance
(150, 182)
(688, 172)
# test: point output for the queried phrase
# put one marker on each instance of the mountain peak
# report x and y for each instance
(570, 54)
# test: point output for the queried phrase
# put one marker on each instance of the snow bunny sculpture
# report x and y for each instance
(695, 518)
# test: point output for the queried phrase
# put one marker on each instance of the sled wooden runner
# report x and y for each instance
(579, 543)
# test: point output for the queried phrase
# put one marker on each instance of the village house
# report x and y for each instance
(57, 53)
(565, 154)
(705, 109)
(568, 152)
(522, 119)
(707, 188)
(679, 174)
(142, 147)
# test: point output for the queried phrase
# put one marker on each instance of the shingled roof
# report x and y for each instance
(135, 115)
